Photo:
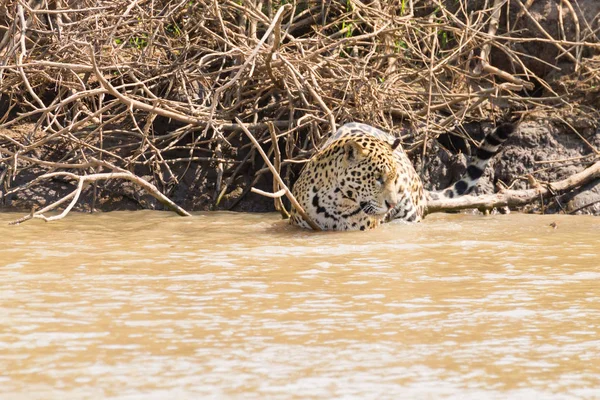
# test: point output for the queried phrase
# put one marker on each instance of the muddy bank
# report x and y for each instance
(544, 149)
(164, 94)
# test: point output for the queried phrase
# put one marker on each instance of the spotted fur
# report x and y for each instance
(489, 147)
(362, 177)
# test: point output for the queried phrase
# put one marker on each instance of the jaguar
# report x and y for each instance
(362, 177)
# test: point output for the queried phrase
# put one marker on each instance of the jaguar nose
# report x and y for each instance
(390, 205)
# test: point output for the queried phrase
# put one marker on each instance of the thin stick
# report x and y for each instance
(276, 195)
(544, 32)
(578, 49)
(138, 104)
(485, 65)
(288, 193)
(277, 158)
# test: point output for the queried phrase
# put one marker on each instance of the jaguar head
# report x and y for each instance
(371, 176)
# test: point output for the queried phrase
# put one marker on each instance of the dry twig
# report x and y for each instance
(162, 89)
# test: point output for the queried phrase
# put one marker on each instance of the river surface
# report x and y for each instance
(148, 305)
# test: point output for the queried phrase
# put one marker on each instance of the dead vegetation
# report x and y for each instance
(145, 90)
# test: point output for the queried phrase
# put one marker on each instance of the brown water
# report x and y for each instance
(149, 305)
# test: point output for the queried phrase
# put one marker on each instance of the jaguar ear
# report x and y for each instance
(353, 151)
(396, 144)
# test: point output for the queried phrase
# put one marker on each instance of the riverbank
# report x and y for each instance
(547, 150)
(162, 96)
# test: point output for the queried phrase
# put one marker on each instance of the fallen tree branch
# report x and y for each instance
(284, 187)
(83, 180)
(513, 198)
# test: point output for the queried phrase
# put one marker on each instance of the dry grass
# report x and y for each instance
(155, 85)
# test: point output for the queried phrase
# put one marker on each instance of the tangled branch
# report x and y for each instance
(163, 88)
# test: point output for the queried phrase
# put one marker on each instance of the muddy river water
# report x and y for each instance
(153, 306)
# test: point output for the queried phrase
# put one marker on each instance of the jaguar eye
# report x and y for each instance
(380, 180)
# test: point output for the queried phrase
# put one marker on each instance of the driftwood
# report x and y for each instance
(84, 180)
(514, 198)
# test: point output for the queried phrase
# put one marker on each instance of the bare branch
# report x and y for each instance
(513, 198)
(287, 191)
